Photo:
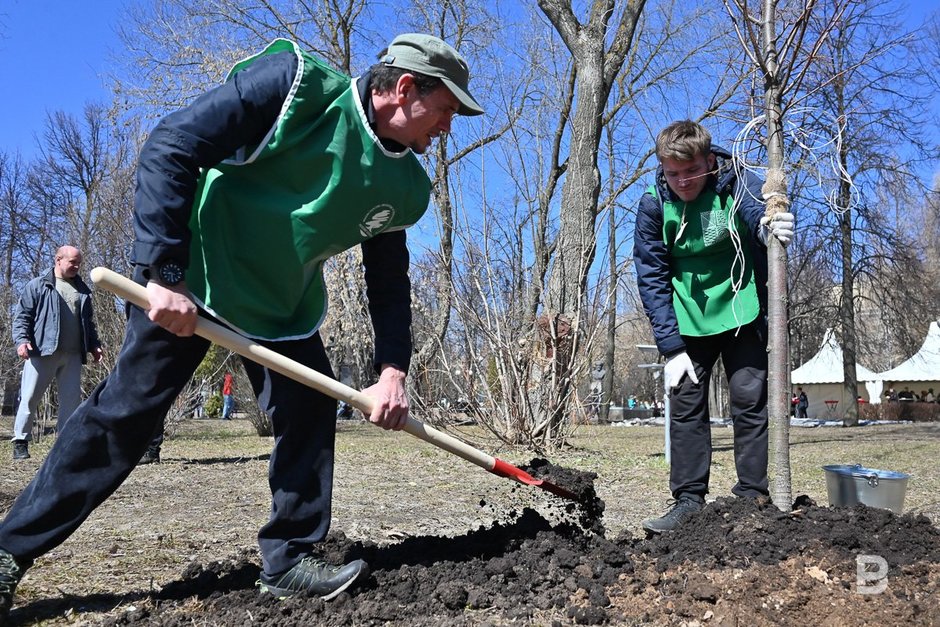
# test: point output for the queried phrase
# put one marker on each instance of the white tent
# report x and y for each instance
(920, 372)
(822, 377)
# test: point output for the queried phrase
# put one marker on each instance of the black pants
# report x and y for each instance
(745, 360)
(104, 439)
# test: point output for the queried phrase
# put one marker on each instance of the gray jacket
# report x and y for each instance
(36, 319)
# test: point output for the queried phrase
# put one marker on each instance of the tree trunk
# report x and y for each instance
(775, 189)
(847, 309)
(424, 356)
(576, 244)
(607, 387)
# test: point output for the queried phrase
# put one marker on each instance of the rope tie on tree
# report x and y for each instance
(774, 192)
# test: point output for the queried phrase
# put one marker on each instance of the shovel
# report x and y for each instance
(216, 333)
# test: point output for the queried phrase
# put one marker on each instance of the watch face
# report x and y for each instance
(171, 273)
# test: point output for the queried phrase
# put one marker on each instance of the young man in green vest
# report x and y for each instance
(700, 255)
(241, 198)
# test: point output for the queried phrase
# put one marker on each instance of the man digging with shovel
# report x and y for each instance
(241, 197)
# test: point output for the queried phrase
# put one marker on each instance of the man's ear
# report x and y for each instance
(711, 162)
(406, 82)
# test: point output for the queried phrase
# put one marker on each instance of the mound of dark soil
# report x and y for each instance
(743, 563)
(738, 562)
(733, 533)
(511, 571)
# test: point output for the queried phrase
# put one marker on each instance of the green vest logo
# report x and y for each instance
(714, 227)
(376, 220)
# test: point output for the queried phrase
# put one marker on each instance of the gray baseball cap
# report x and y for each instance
(434, 57)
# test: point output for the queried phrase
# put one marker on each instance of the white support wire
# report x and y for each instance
(823, 152)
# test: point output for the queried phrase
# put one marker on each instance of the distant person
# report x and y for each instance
(241, 198)
(930, 397)
(228, 396)
(53, 330)
(700, 254)
(802, 403)
(200, 400)
(905, 394)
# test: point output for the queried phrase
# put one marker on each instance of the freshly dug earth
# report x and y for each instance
(787, 567)
(539, 560)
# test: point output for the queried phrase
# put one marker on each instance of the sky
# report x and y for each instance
(53, 55)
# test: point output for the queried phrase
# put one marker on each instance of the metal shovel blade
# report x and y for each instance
(505, 469)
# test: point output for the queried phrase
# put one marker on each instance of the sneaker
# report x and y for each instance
(10, 574)
(315, 576)
(20, 449)
(152, 456)
(683, 508)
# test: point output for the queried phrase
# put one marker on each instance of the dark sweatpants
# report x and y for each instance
(745, 360)
(104, 439)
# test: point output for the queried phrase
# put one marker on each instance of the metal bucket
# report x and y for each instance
(851, 485)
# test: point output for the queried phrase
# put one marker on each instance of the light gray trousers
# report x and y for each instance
(38, 372)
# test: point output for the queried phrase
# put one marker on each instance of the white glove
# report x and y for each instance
(781, 225)
(677, 367)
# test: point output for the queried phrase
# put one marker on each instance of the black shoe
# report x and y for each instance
(152, 456)
(316, 576)
(683, 508)
(20, 449)
(10, 574)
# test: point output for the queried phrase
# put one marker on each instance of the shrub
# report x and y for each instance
(914, 411)
(213, 407)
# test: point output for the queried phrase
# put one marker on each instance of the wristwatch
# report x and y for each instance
(168, 273)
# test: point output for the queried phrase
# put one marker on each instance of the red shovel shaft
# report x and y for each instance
(225, 337)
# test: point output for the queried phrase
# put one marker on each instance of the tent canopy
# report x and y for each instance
(826, 365)
(924, 365)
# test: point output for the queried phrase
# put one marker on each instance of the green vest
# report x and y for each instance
(265, 221)
(713, 284)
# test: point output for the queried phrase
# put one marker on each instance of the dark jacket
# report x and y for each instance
(36, 319)
(652, 260)
(803, 402)
(236, 114)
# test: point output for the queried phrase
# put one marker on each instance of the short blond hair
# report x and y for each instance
(683, 141)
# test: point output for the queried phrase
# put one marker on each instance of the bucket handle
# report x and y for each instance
(872, 479)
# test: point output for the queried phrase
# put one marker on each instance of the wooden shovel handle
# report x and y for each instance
(225, 337)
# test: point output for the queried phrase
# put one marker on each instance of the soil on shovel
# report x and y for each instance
(739, 562)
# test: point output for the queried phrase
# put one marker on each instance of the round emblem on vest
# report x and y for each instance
(378, 218)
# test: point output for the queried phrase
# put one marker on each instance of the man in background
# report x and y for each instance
(802, 403)
(53, 330)
(228, 398)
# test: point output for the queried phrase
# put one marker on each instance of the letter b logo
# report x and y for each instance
(871, 574)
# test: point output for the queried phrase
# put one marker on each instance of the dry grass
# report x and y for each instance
(209, 497)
